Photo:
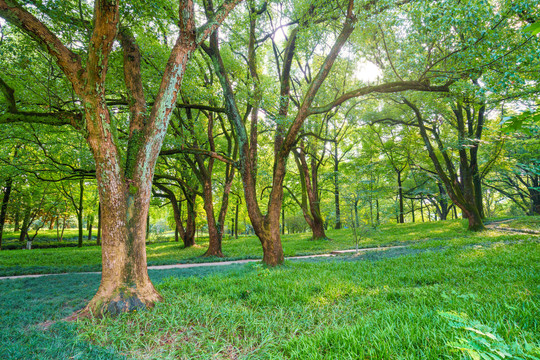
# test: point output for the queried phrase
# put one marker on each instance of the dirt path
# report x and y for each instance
(493, 226)
(220, 263)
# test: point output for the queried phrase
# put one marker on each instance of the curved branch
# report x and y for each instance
(391, 87)
(56, 119)
(194, 151)
(67, 60)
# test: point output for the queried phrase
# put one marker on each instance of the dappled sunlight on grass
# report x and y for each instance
(346, 309)
(419, 235)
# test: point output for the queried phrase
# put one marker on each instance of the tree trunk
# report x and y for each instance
(147, 234)
(270, 238)
(336, 188)
(283, 221)
(214, 234)
(310, 194)
(98, 240)
(356, 220)
(422, 207)
(191, 227)
(534, 192)
(236, 222)
(80, 212)
(125, 285)
(412, 210)
(3, 210)
(461, 192)
(187, 233)
(317, 229)
(477, 183)
(401, 219)
(25, 225)
(60, 234)
(17, 220)
(443, 203)
(475, 220)
(378, 213)
(81, 230)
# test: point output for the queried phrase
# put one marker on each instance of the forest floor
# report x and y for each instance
(162, 252)
(446, 294)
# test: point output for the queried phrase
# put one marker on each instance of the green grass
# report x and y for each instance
(392, 308)
(27, 305)
(403, 303)
(88, 258)
(525, 222)
(45, 236)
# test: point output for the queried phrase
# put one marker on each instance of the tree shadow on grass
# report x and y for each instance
(31, 310)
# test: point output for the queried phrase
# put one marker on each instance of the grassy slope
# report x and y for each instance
(16, 262)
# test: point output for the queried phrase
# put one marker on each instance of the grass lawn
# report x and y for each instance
(88, 258)
(451, 295)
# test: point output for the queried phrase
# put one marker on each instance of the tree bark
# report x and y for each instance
(336, 188)
(214, 235)
(79, 211)
(17, 220)
(191, 227)
(443, 207)
(422, 207)
(3, 210)
(98, 237)
(282, 220)
(401, 218)
(535, 194)
(25, 224)
(236, 222)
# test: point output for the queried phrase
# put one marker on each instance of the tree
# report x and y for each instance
(518, 173)
(180, 179)
(287, 127)
(124, 177)
(196, 156)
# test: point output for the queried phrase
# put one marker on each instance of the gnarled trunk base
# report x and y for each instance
(271, 244)
(475, 224)
(213, 252)
(475, 220)
(114, 299)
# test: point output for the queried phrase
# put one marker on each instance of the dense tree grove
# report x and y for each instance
(261, 117)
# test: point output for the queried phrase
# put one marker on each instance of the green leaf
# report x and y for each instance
(533, 28)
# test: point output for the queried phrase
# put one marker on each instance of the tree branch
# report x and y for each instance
(56, 119)
(68, 61)
(391, 87)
